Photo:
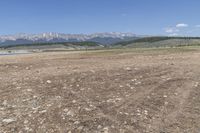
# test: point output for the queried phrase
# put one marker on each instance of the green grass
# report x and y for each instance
(144, 51)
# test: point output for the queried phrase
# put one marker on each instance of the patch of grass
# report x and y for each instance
(147, 51)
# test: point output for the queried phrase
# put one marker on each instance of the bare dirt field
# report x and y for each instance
(116, 91)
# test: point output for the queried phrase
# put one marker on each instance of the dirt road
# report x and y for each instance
(101, 92)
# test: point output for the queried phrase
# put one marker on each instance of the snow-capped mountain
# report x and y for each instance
(103, 38)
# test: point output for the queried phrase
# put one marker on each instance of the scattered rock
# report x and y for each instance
(99, 127)
(66, 110)
(26, 121)
(8, 120)
(43, 111)
(76, 122)
(49, 81)
(29, 90)
(70, 113)
(196, 84)
(80, 128)
(105, 130)
(5, 102)
(165, 96)
(145, 112)
(128, 68)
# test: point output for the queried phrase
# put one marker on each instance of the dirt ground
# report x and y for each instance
(101, 92)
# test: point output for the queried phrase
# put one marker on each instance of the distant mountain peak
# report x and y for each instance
(106, 37)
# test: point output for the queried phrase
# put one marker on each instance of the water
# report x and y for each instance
(16, 52)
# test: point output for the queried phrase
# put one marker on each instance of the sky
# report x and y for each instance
(142, 17)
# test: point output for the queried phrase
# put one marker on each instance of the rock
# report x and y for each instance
(29, 90)
(196, 84)
(26, 121)
(128, 68)
(145, 112)
(43, 111)
(165, 96)
(49, 81)
(99, 127)
(76, 122)
(138, 114)
(8, 120)
(175, 94)
(88, 109)
(18, 88)
(105, 130)
(74, 101)
(66, 110)
(5, 102)
(70, 113)
(80, 128)
(133, 80)
(121, 86)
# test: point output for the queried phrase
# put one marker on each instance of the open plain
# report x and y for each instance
(105, 91)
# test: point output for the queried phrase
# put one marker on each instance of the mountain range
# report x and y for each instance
(101, 38)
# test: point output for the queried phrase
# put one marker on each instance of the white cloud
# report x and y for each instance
(181, 25)
(171, 30)
(173, 34)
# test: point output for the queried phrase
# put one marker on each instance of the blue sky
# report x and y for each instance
(144, 17)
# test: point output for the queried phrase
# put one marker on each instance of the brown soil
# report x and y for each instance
(97, 92)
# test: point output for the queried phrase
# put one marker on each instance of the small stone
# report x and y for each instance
(128, 69)
(165, 96)
(132, 88)
(76, 122)
(49, 81)
(43, 111)
(138, 114)
(133, 80)
(196, 84)
(70, 113)
(29, 90)
(80, 128)
(5, 102)
(8, 120)
(26, 121)
(105, 129)
(27, 128)
(99, 127)
(18, 88)
(88, 109)
(145, 112)
(66, 110)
